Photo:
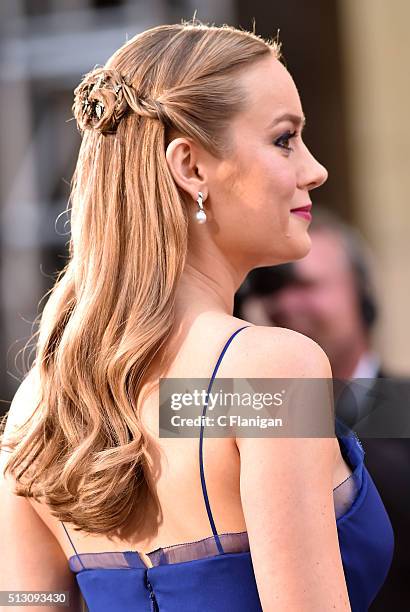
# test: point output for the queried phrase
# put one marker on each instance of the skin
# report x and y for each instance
(248, 197)
(248, 200)
(323, 303)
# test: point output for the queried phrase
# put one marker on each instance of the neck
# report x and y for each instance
(345, 361)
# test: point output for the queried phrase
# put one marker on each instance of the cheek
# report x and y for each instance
(282, 179)
(256, 190)
(263, 182)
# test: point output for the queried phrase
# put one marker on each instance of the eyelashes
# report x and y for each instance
(283, 140)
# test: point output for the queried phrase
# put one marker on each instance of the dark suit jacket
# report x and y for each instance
(388, 462)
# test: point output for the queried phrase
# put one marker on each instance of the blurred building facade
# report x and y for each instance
(345, 60)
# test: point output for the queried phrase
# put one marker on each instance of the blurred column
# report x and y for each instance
(376, 51)
(20, 282)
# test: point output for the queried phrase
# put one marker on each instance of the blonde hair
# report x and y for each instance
(111, 309)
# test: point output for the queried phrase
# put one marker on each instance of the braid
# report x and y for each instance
(104, 97)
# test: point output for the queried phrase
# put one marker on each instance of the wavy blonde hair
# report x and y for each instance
(111, 310)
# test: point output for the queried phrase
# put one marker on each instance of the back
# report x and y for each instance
(253, 474)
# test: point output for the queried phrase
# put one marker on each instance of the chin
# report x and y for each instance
(301, 248)
(297, 248)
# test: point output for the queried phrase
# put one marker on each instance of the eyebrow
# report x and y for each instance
(296, 119)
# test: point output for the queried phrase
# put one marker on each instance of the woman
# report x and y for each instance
(191, 165)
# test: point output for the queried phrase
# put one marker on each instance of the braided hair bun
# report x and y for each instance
(104, 97)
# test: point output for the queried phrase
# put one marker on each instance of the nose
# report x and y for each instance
(312, 174)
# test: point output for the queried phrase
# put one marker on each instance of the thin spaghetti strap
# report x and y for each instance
(72, 544)
(201, 465)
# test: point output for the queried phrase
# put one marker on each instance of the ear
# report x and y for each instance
(187, 169)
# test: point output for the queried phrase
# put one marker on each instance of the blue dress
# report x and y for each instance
(215, 574)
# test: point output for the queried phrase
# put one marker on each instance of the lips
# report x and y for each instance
(306, 208)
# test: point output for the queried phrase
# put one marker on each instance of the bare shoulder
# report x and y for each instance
(32, 558)
(260, 351)
(276, 352)
(23, 406)
(286, 484)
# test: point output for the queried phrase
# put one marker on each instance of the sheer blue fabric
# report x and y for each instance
(215, 574)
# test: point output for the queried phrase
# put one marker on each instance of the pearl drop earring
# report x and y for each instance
(200, 214)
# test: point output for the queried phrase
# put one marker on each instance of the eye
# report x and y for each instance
(283, 140)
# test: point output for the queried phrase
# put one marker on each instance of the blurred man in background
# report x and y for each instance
(330, 296)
